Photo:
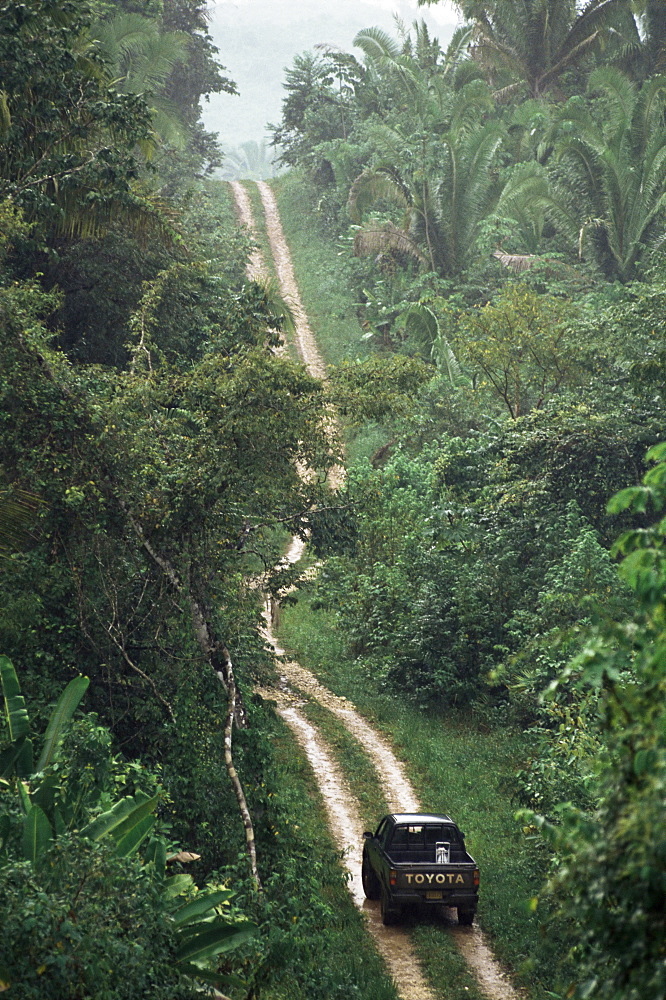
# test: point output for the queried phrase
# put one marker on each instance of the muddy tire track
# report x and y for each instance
(305, 341)
(304, 337)
(256, 268)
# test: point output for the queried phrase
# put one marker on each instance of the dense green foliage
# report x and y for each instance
(152, 443)
(494, 298)
(502, 206)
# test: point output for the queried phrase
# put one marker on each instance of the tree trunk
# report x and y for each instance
(217, 656)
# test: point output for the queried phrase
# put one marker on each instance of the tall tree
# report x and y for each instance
(617, 154)
(69, 139)
(534, 42)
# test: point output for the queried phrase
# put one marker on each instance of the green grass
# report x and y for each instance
(354, 762)
(322, 275)
(445, 968)
(323, 278)
(340, 958)
(458, 768)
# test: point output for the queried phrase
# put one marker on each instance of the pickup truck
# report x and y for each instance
(419, 858)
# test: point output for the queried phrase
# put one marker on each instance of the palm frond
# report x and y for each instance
(17, 514)
(473, 100)
(378, 238)
(377, 44)
(279, 306)
(621, 94)
(594, 17)
(648, 114)
(516, 262)
(371, 186)
(421, 322)
(458, 48)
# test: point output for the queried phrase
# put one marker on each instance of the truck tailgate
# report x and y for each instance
(451, 877)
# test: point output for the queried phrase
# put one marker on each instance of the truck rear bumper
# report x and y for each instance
(435, 898)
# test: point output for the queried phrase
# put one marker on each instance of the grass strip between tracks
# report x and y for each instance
(322, 275)
(457, 768)
(346, 958)
(354, 763)
(260, 232)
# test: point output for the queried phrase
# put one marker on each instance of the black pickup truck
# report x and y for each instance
(419, 858)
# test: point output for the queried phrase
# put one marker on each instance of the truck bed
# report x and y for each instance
(457, 855)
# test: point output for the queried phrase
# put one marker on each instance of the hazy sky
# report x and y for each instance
(257, 39)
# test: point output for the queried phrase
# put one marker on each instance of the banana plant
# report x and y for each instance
(44, 803)
(201, 930)
(202, 934)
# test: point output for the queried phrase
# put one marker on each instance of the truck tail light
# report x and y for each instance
(393, 877)
(476, 878)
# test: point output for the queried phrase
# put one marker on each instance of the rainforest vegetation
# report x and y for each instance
(491, 218)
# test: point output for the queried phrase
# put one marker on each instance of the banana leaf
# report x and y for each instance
(17, 759)
(15, 710)
(176, 885)
(37, 835)
(204, 902)
(214, 938)
(67, 704)
(156, 853)
(121, 818)
(132, 839)
(217, 979)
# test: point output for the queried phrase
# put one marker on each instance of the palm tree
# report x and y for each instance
(533, 42)
(141, 56)
(642, 39)
(251, 161)
(439, 175)
(618, 163)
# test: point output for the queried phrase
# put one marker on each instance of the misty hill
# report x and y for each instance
(257, 39)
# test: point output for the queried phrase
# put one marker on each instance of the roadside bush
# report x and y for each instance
(86, 924)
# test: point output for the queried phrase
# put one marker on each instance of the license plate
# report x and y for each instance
(433, 895)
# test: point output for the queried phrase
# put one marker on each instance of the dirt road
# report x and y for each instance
(299, 685)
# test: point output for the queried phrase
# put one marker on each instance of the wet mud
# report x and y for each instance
(305, 341)
(304, 337)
